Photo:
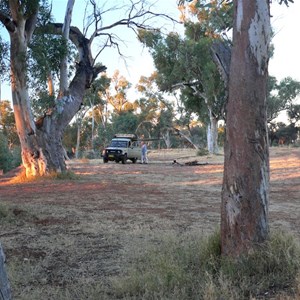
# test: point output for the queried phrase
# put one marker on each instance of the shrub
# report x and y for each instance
(6, 157)
(16, 154)
(202, 152)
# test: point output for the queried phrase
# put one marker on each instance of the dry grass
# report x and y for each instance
(66, 239)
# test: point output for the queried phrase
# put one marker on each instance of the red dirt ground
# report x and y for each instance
(83, 228)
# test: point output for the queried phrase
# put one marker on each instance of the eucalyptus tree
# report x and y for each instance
(245, 191)
(42, 149)
(157, 112)
(191, 65)
(281, 96)
(117, 96)
(294, 113)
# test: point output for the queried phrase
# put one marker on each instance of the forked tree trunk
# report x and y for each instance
(41, 142)
(42, 149)
(244, 213)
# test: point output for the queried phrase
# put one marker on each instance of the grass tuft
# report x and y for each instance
(67, 175)
(202, 152)
(193, 268)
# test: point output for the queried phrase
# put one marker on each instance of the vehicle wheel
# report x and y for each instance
(105, 160)
(134, 160)
(124, 159)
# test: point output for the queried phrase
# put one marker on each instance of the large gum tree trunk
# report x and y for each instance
(32, 158)
(42, 149)
(41, 141)
(244, 211)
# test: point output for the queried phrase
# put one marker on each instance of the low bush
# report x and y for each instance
(202, 152)
(6, 158)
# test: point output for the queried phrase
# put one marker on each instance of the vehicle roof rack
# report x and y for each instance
(126, 135)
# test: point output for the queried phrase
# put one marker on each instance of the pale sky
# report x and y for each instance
(285, 22)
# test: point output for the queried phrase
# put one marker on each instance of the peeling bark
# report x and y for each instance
(244, 210)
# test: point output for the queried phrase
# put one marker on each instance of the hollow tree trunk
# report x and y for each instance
(244, 212)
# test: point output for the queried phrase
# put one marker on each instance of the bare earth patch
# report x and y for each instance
(66, 232)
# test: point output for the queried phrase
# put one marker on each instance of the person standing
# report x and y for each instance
(144, 150)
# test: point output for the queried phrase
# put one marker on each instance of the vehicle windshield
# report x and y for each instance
(118, 144)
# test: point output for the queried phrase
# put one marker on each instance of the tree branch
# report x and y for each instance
(7, 22)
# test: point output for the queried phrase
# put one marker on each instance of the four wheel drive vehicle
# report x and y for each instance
(123, 147)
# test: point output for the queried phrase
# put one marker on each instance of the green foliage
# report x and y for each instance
(281, 95)
(4, 55)
(6, 158)
(190, 267)
(282, 133)
(16, 154)
(294, 113)
(125, 122)
(187, 64)
(8, 124)
(202, 152)
(46, 52)
(70, 137)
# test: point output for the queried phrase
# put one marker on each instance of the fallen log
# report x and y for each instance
(195, 163)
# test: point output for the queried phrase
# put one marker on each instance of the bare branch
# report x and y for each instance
(137, 17)
(193, 86)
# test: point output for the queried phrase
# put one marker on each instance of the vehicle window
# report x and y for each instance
(118, 144)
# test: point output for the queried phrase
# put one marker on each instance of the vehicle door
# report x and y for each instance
(135, 149)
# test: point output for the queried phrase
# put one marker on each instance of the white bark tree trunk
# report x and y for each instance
(245, 193)
(78, 138)
(64, 63)
(167, 139)
(212, 134)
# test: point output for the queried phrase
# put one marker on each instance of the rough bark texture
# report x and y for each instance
(5, 292)
(244, 212)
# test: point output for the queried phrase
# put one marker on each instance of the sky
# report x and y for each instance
(285, 22)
